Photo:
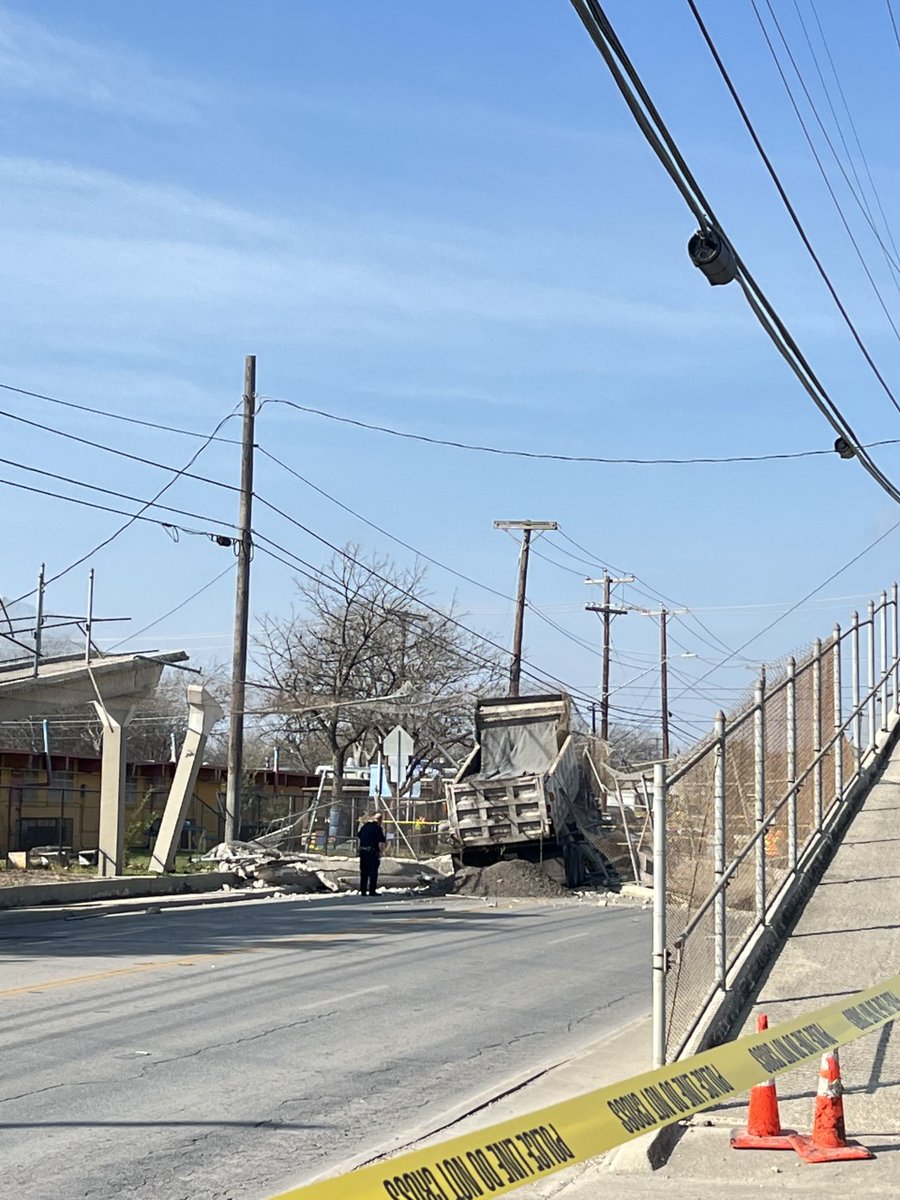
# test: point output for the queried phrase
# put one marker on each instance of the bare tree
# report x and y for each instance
(628, 747)
(360, 652)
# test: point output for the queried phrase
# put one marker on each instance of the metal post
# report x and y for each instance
(884, 662)
(719, 836)
(791, 698)
(854, 672)
(895, 634)
(838, 717)
(817, 734)
(660, 952)
(871, 669)
(759, 757)
(241, 612)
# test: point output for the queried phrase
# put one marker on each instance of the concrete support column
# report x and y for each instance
(204, 711)
(111, 843)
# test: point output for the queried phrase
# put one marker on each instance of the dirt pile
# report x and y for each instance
(504, 880)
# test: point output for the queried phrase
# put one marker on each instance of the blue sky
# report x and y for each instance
(440, 218)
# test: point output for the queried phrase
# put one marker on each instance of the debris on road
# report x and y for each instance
(514, 878)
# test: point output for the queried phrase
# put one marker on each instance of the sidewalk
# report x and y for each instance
(847, 939)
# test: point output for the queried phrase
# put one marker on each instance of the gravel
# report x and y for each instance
(509, 879)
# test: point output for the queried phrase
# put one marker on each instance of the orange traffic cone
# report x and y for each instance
(829, 1138)
(763, 1130)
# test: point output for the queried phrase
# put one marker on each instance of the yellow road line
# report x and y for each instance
(74, 980)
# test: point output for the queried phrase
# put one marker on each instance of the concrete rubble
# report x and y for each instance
(264, 866)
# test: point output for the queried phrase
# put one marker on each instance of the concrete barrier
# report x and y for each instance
(30, 895)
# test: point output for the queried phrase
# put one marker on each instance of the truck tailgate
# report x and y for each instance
(486, 812)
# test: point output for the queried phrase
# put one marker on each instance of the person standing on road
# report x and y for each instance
(371, 839)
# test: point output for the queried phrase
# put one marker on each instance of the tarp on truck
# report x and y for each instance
(520, 737)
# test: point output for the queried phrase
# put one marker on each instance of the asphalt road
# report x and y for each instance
(226, 1053)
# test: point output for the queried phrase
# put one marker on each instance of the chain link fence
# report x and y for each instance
(743, 807)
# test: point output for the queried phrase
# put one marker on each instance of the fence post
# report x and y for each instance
(719, 849)
(895, 630)
(854, 675)
(838, 716)
(884, 662)
(871, 666)
(791, 697)
(660, 951)
(759, 757)
(817, 734)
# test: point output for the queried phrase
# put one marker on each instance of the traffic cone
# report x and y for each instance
(829, 1139)
(763, 1130)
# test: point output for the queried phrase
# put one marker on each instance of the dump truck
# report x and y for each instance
(525, 792)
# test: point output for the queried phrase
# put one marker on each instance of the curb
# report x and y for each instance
(136, 904)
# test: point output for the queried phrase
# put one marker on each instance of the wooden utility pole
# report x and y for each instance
(664, 682)
(241, 612)
(515, 664)
(607, 612)
(664, 614)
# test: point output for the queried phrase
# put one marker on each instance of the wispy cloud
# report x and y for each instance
(39, 63)
(91, 245)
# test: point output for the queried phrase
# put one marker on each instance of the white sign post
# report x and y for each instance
(398, 749)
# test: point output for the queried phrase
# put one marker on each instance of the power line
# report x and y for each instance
(893, 23)
(93, 487)
(168, 525)
(147, 462)
(711, 238)
(134, 516)
(407, 435)
(421, 553)
(320, 577)
(384, 532)
(178, 607)
(102, 412)
(831, 192)
(653, 593)
(782, 616)
(779, 187)
(854, 130)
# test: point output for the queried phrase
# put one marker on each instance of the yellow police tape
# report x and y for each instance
(501, 1157)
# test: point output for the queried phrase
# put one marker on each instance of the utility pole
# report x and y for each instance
(664, 682)
(664, 614)
(515, 665)
(608, 612)
(241, 612)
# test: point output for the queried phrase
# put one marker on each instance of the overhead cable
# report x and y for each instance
(657, 134)
(507, 452)
(172, 611)
(94, 445)
(892, 263)
(138, 515)
(321, 577)
(853, 128)
(114, 416)
(542, 616)
(779, 187)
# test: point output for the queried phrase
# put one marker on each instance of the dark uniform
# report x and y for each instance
(371, 838)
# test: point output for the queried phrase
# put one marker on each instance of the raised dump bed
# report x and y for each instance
(523, 793)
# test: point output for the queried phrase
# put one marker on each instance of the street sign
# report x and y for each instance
(398, 749)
